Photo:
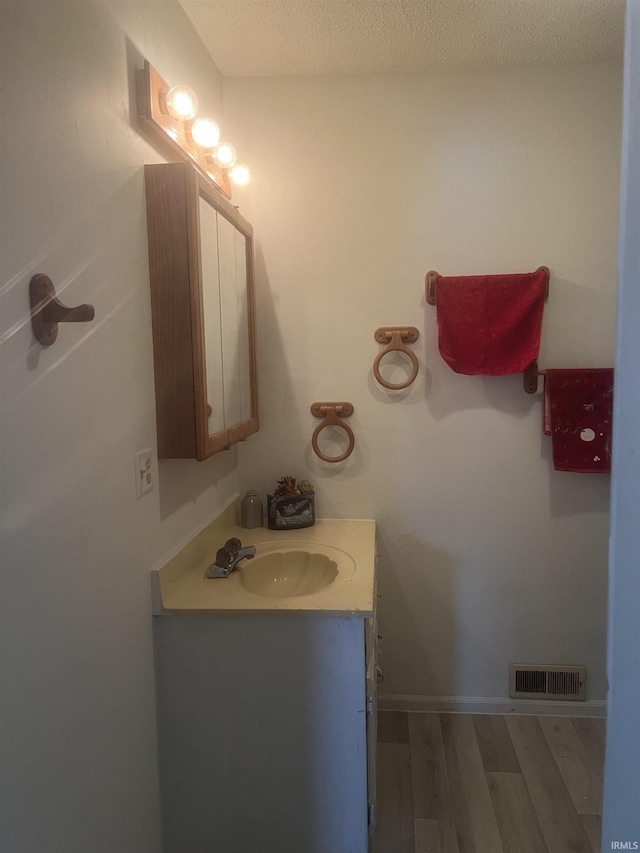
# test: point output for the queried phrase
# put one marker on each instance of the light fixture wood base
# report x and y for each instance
(171, 133)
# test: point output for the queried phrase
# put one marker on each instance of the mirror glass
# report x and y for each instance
(223, 249)
(211, 311)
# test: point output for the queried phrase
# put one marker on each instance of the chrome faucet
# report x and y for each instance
(228, 557)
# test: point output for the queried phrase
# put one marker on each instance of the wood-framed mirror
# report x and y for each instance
(201, 265)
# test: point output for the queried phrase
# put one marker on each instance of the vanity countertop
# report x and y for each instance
(181, 585)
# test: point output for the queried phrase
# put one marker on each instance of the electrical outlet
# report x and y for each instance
(144, 478)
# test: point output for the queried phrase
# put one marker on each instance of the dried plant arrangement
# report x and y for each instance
(292, 504)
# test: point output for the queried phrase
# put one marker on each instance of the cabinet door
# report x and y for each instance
(261, 729)
(203, 314)
(372, 717)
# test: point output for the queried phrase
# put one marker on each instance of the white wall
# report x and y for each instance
(622, 770)
(360, 185)
(485, 549)
(78, 730)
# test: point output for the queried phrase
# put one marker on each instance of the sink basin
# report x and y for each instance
(287, 572)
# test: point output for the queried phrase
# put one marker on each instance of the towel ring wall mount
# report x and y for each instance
(332, 414)
(396, 338)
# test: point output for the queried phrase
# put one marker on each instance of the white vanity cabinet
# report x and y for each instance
(266, 725)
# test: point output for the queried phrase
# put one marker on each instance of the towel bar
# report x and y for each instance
(531, 373)
(432, 275)
(530, 376)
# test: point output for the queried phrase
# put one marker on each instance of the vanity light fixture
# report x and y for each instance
(169, 114)
(225, 155)
(182, 103)
(205, 133)
(240, 174)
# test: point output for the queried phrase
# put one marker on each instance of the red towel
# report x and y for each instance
(578, 407)
(490, 324)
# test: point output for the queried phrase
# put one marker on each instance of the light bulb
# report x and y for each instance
(225, 155)
(205, 132)
(182, 103)
(240, 174)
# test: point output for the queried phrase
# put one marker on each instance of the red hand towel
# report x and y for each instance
(490, 324)
(578, 407)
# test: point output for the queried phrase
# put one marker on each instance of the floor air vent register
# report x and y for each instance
(547, 682)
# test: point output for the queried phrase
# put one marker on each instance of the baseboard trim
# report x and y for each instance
(497, 705)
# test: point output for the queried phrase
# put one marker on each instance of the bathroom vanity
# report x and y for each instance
(266, 691)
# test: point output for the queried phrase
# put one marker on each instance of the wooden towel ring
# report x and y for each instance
(395, 338)
(332, 413)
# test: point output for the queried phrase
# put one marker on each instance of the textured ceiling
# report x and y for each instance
(275, 37)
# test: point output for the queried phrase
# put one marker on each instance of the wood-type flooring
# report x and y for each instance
(470, 783)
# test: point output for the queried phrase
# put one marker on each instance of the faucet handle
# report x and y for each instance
(222, 557)
(228, 551)
(231, 546)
